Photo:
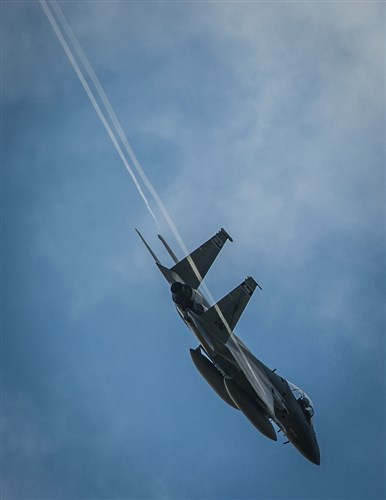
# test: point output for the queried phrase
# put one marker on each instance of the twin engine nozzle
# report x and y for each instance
(182, 295)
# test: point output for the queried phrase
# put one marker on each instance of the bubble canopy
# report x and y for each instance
(303, 399)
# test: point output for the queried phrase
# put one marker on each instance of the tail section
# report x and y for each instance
(193, 268)
(168, 274)
(148, 247)
(169, 250)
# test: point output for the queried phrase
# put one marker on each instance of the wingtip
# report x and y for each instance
(227, 235)
(253, 281)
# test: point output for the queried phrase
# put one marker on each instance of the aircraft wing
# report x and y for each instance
(231, 308)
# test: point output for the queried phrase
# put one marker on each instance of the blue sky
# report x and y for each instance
(265, 118)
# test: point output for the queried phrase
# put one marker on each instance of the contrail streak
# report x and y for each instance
(93, 101)
(83, 58)
(129, 150)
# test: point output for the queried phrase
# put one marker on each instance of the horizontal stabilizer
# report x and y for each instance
(193, 268)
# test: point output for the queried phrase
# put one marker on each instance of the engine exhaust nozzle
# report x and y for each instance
(182, 294)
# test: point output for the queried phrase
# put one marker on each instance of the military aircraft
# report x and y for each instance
(237, 376)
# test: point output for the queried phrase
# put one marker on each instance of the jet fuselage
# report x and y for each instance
(287, 412)
(237, 376)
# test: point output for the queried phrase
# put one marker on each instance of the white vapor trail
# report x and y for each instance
(116, 124)
(96, 106)
(113, 118)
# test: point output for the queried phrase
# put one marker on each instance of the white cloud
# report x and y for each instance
(25, 448)
(286, 160)
(265, 145)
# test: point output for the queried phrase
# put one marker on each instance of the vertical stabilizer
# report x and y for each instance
(169, 250)
(148, 247)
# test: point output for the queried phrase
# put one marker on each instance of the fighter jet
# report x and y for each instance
(229, 367)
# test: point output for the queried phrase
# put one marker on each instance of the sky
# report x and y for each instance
(265, 118)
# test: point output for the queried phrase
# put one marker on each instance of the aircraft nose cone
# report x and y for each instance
(314, 455)
(311, 451)
(308, 446)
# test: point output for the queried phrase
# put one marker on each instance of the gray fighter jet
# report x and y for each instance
(237, 376)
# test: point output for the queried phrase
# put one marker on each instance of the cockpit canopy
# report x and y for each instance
(304, 400)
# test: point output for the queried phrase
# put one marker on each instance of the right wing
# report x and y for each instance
(229, 309)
